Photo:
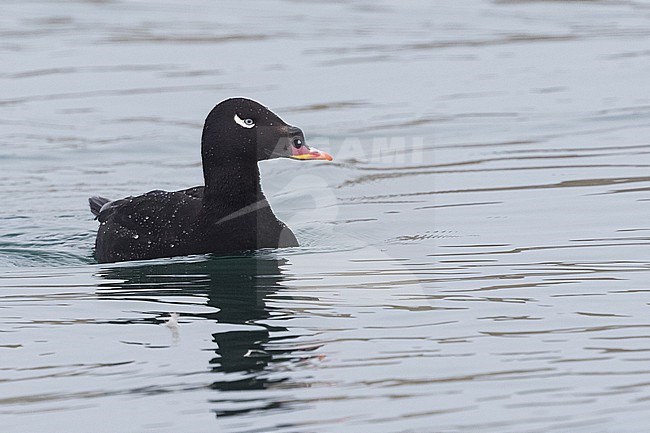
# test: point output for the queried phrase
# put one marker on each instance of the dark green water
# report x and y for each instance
(475, 259)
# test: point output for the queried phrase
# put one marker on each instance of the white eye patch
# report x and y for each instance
(246, 123)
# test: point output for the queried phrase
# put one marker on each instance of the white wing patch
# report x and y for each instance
(240, 122)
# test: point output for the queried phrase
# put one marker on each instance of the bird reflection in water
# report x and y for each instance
(237, 288)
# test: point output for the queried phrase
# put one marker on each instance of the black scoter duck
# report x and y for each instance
(229, 214)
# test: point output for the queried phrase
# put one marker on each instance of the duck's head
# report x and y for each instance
(240, 129)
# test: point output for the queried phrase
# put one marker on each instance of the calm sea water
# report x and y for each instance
(476, 258)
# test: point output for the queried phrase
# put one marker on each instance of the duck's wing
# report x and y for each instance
(103, 206)
(145, 226)
(196, 192)
(155, 209)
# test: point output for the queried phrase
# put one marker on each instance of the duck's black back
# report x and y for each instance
(166, 224)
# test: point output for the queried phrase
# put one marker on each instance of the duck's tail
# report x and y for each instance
(96, 202)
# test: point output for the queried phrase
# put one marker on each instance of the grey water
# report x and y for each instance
(475, 259)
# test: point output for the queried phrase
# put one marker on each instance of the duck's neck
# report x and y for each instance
(230, 171)
(231, 184)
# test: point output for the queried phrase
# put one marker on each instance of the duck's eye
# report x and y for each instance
(246, 123)
(297, 142)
